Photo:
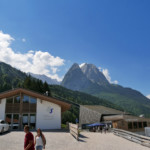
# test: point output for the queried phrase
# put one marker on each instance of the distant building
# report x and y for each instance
(95, 113)
(20, 107)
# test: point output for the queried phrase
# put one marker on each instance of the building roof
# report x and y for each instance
(103, 110)
(64, 106)
(127, 118)
(109, 114)
(135, 118)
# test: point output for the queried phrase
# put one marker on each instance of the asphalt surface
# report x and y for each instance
(64, 141)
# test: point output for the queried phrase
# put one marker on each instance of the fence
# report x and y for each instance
(143, 140)
(74, 131)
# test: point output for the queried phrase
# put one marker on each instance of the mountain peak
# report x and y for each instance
(93, 74)
(82, 76)
(89, 65)
(75, 65)
(81, 65)
(75, 79)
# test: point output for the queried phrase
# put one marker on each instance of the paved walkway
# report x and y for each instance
(64, 141)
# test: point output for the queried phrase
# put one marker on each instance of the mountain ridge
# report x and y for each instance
(129, 99)
(45, 78)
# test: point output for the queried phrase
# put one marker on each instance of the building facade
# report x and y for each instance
(95, 113)
(20, 107)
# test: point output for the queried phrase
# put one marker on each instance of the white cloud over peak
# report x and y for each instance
(37, 62)
(148, 96)
(81, 65)
(107, 75)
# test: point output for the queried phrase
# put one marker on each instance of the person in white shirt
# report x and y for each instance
(40, 140)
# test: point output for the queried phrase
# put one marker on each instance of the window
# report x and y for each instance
(25, 99)
(9, 100)
(12, 100)
(144, 124)
(135, 125)
(140, 124)
(32, 121)
(15, 121)
(17, 99)
(32, 100)
(130, 125)
(25, 119)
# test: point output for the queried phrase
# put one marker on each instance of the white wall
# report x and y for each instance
(2, 109)
(45, 119)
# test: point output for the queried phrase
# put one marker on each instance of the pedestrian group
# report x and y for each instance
(29, 142)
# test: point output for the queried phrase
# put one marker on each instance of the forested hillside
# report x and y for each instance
(10, 77)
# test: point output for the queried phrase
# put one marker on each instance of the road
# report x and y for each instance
(64, 141)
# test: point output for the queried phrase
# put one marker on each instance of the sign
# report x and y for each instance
(49, 115)
(50, 110)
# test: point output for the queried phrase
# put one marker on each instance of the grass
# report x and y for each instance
(63, 126)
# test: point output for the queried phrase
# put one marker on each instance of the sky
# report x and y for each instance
(48, 36)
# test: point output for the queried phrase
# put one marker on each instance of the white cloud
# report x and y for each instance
(148, 96)
(115, 82)
(37, 62)
(107, 75)
(23, 40)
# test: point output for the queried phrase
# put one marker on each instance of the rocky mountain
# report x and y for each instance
(93, 74)
(75, 79)
(45, 78)
(84, 77)
(89, 79)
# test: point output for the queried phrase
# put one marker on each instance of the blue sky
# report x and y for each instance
(113, 35)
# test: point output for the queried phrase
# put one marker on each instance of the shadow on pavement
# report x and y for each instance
(81, 140)
(52, 130)
(58, 130)
(82, 136)
(5, 133)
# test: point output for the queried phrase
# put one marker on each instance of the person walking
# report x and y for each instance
(101, 129)
(40, 140)
(29, 139)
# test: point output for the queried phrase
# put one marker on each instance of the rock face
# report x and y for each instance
(83, 78)
(75, 79)
(93, 74)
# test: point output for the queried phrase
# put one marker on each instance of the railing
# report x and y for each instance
(74, 131)
(143, 140)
